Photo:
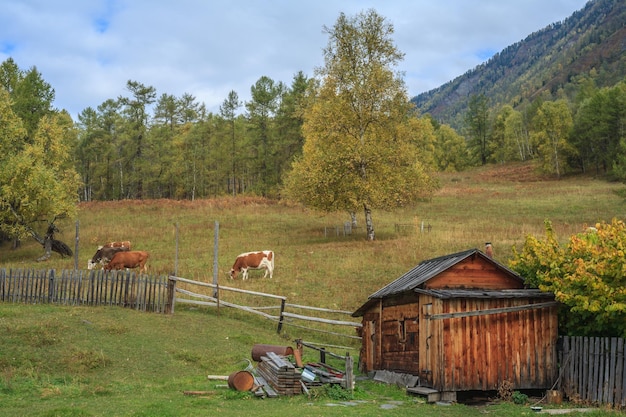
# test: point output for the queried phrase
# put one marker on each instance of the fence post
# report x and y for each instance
(176, 254)
(76, 246)
(171, 290)
(349, 376)
(216, 234)
(323, 355)
(51, 286)
(281, 318)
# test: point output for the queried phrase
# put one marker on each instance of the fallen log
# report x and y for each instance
(218, 377)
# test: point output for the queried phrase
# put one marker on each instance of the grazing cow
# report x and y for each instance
(129, 259)
(253, 260)
(489, 249)
(104, 255)
(122, 244)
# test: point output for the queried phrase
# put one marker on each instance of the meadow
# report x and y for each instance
(83, 361)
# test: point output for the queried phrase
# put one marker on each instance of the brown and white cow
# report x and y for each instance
(121, 244)
(103, 255)
(129, 259)
(253, 260)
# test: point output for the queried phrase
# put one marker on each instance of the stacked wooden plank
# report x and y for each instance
(280, 374)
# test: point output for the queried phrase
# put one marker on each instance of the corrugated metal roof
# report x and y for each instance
(426, 270)
(421, 273)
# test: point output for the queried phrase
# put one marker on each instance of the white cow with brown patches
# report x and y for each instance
(253, 260)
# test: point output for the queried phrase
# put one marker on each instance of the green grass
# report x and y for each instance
(84, 361)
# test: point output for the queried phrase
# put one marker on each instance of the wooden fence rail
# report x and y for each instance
(282, 318)
(594, 370)
(80, 287)
(142, 292)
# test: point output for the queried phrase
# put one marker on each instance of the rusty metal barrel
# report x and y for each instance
(259, 350)
(241, 381)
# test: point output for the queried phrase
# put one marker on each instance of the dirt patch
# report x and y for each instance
(513, 172)
(517, 172)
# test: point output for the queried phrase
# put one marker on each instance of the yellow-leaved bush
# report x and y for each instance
(587, 275)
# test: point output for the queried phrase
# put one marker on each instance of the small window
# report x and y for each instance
(402, 330)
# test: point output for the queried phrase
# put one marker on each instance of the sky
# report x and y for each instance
(87, 50)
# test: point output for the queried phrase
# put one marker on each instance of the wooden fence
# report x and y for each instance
(144, 293)
(281, 316)
(338, 230)
(594, 370)
(415, 227)
(81, 287)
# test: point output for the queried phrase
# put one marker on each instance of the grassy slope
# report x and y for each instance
(497, 204)
(84, 361)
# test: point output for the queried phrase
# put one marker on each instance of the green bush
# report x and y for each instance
(335, 392)
(519, 398)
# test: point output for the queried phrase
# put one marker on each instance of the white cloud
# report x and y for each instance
(88, 51)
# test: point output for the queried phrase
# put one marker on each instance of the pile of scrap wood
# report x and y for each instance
(277, 376)
(326, 374)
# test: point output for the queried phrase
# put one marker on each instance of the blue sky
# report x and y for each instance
(88, 50)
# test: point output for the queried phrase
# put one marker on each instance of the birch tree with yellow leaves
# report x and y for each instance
(361, 148)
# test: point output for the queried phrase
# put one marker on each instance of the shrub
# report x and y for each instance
(519, 398)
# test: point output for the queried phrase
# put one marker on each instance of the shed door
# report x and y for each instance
(425, 337)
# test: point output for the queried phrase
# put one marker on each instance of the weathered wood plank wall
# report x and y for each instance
(508, 341)
(594, 370)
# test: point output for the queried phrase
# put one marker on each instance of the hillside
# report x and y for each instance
(497, 203)
(548, 62)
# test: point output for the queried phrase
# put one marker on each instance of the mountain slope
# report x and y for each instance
(548, 63)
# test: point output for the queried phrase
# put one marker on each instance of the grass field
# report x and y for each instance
(84, 361)
(81, 361)
(497, 204)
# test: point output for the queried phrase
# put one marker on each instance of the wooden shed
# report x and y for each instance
(461, 322)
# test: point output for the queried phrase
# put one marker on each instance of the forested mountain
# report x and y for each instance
(558, 97)
(551, 63)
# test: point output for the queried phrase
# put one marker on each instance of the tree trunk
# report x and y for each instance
(369, 225)
(48, 249)
(353, 218)
(556, 158)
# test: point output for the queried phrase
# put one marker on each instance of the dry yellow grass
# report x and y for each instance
(501, 204)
